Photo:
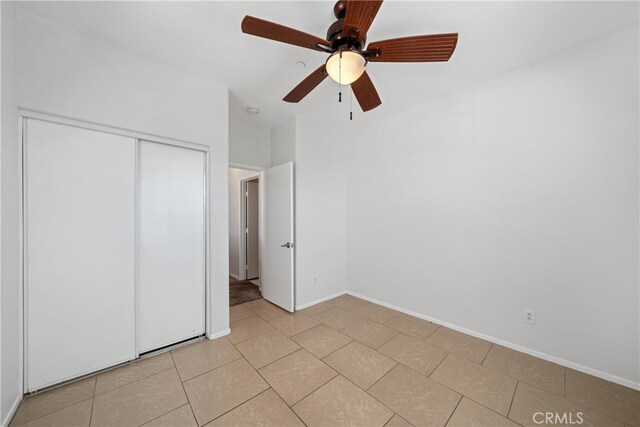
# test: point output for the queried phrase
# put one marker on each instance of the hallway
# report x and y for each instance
(242, 291)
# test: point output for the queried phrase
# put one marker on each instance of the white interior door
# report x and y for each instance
(276, 235)
(171, 245)
(252, 230)
(79, 283)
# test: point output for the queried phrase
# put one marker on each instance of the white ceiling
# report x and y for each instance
(204, 38)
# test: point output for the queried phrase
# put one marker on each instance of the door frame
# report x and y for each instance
(242, 259)
(23, 115)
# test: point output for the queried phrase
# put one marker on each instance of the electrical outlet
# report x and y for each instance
(529, 316)
(315, 280)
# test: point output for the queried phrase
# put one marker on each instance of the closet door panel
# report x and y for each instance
(171, 241)
(80, 243)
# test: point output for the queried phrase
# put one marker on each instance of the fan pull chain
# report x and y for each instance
(340, 76)
(350, 103)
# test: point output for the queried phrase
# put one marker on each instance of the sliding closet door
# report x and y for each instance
(80, 273)
(171, 241)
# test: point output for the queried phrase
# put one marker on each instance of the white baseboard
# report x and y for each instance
(218, 334)
(566, 363)
(318, 301)
(234, 276)
(12, 411)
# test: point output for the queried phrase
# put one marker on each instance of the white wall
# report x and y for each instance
(320, 211)
(235, 176)
(283, 142)
(319, 158)
(10, 390)
(249, 144)
(519, 192)
(320, 205)
(70, 74)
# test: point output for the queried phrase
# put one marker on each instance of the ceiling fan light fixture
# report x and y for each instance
(345, 66)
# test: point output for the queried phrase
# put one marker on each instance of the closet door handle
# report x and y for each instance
(287, 245)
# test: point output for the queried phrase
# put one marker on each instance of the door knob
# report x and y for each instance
(287, 245)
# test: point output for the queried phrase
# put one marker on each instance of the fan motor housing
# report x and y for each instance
(334, 33)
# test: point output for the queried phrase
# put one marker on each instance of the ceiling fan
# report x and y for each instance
(345, 41)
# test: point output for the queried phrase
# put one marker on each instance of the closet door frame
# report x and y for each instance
(24, 114)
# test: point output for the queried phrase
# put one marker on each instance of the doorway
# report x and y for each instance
(251, 216)
(244, 237)
(261, 235)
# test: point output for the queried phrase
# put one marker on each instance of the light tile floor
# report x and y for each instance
(342, 362)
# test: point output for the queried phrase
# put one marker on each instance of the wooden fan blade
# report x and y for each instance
(307, 85)
(359, 16)
(430, 48)
(270, 30)
(366, 93)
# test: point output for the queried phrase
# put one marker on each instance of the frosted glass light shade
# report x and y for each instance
(351, 65)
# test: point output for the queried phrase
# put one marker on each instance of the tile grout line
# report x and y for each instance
(194, 415)
(298, 332)
(135, 381)
(382, 345)
(484, 358)
(95, 380)
(273, 361)
(262, 299)
(174, 409)
(316, 389)
(57, 410)
(282, 398)
(315, 314)
(439, 383)
(237, 406)
(184, 390)
(436, 368)
(210, 370)
(261, 333)
(93, 400)
(280, 358)
(520, 379)
(462, 396)
(397, 362)
(490, 409)
(338, 349)
(367, 393)
(486, 355)
(380, 379)
(582, 404)
(511, 405)
(318, 304)
(269, 384)
(252, 397)
(159, 372)
(395, 313)
(315, 326)
(507, 375)
(513, 397)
